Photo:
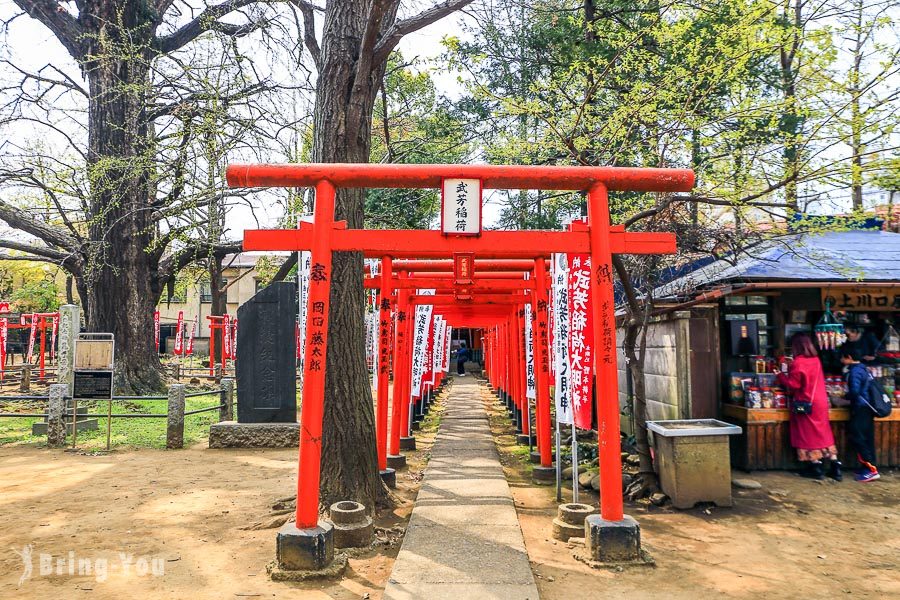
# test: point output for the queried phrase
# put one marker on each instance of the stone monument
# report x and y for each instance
(266, 373)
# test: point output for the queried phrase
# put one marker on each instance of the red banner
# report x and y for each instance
(31, 338)
(226, 335)
(189, 350)
(581, 338)
(54, 331)
(234, 338)
(3, 333)
(179, 334)
(156, 330)
(429, 354)
(4, 307)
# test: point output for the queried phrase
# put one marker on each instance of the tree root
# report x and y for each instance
(385, 499)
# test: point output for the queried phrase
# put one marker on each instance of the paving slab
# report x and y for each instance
(463, 539)
(463, 591)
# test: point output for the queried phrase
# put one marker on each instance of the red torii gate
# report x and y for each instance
(324, 236)
(448, 308)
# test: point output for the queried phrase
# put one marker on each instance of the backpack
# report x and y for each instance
(876, 398)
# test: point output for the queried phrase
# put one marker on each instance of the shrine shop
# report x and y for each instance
(728, 326)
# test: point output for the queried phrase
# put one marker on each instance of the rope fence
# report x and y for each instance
(63, 416)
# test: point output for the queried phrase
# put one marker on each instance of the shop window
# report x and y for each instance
(737, 308)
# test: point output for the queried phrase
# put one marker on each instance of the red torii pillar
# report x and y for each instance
(384, 369)
(315, 353)
(400, 396)
(542, 372)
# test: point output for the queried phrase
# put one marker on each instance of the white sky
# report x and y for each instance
(34, 46)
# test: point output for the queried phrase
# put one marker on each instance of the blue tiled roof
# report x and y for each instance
(834, 256)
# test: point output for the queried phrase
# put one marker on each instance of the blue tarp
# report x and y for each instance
(835, 256)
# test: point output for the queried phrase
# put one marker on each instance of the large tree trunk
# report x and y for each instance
(791, 124)
(342, 133)
(857, 121)
(121, 282)
(634, 347)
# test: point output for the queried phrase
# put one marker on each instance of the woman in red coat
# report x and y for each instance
(810, 433)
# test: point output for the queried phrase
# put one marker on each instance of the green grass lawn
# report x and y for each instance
(135, 432)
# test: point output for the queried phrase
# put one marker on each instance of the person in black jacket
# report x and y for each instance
(861, 426)
(462, 355)
(864, 341)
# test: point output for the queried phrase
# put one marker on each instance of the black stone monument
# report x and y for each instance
(266, 356)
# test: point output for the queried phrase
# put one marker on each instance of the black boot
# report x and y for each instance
(815, 470)
(835, 470)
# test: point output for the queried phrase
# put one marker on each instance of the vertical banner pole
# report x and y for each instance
(315, 355)
(610, 462)
(559, 466)
(574, 463)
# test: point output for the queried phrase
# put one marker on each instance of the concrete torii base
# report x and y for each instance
(613, 541)
(389, 477)
(396, 461)
(543, 475)
(407, 443)
(535, 457)
(523, 439)
(308, 551)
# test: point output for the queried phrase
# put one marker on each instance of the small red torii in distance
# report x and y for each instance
(598, 239)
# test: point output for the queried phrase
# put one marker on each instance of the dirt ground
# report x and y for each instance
(193, 511)
(793, 538)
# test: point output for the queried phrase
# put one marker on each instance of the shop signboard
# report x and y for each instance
(862, 298)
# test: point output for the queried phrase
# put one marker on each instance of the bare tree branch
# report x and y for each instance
(403, 27)
(285, 268)
(174, 263)
(18, 219)
(208, 20)
(309, 28)
(58, 20)
(32, 249)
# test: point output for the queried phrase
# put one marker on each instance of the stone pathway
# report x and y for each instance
(463, 539)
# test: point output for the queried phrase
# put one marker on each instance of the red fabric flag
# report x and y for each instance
(156, 330)
(179, 334)
(581, 338)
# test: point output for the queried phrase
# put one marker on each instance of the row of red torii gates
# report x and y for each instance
(478, 283)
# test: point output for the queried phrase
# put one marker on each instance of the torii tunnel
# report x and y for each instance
(488, 295)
